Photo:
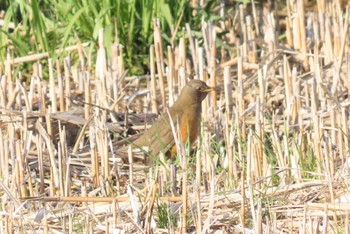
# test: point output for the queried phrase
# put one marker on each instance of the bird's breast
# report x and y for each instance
(190, 124)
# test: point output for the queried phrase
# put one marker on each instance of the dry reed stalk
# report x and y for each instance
(29, 175)
(222, 11)
(121, 66)
(23, 97)
(67, 83)
(45, 221)
(212, 199)
(61, 157)
(302, 24)
(343, 206)
(114, 75)
(31, 92)
(41, 96)
(205, 38)
(296, 29)
(239, 147)
(39, 56)
(297, 100)
(343, 132)
(212, 65)
(115, 215)
(240, 98)
(347, 73)
(258, 225)
(135, 205)
(153, 89)
(224, 57)
(207, 142)
(8, 72)
(67, 188)
(333, 139)
(131, 159)
(328, 173)
(347, 231)
(251, 168)
(163, 172)
(70, 223)
(261, 159)
(231, 62)
(243, 31)
(170, 72)
(262, 88)
(201, 63)
(80, 136)
(103, 145)
(341, 53)
(251, 41)
(83, 194)
(20, 169)
(101, 67)
(50, 148)
(328, 40)
(228, 89)
(87, 97)
(192, 48)
(184, 193)
(181, 61)
(293, 158)
(52, 87)
(2, 91)
(206, 159)
(229, 140)
(3, 158)
(175, 31)
(289, 22)
(336, 38)
(13, 95)
(197, 191)
(256, 161)
(60, 86)
(151, 198)
(315, 120)
(182, 80)
(288, 89)
(173, 179)
(9, 223)
(94, 157)
(159, 59)
(279, 154)
(38, 141)
(79, 75)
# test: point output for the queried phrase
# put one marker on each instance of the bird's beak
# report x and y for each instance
(209, 89)
(216, 89)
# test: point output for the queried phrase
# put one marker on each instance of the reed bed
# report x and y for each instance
(273, 151)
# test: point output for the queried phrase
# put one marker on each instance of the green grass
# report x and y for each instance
(44, 26)
(166, 217)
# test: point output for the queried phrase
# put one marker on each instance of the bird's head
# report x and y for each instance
(194, 92)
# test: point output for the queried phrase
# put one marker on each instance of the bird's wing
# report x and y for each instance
(159, 137)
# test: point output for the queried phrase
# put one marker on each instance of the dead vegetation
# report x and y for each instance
(273, 153)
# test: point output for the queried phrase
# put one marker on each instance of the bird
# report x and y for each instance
(185, 113)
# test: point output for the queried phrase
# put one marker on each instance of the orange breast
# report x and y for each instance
(189, 127)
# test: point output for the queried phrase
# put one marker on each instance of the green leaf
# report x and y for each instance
(166, 13)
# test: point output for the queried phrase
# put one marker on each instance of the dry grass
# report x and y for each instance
(273, 153)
